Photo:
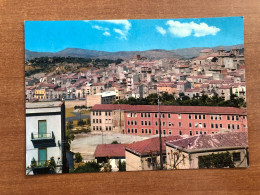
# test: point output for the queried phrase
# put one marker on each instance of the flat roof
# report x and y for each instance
(32, 105)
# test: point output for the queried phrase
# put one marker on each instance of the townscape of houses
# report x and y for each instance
(188, 132)
(212, 72)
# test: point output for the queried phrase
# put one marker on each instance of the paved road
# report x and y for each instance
(76, 117)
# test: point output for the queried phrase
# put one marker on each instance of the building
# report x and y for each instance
(175, 120)
(110, 153)
(107, 97)
(145, 155)
(191, 150)
(45, 135)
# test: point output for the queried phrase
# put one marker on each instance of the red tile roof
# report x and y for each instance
(172, 109)
(150, 145)
(211, 141)
(110, 150)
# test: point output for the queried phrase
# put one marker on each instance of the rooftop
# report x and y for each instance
(110, 150)
(172, 109)
(43, 104)
(211, 141)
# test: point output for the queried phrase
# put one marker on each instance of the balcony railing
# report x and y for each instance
(43, 139)
(42, 136)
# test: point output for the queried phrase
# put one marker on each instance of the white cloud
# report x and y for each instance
(100, 28)
(187, 29)
(106, 33)
(122, 32)
(161, 30)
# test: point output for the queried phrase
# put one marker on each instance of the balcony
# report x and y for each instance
(43, 140)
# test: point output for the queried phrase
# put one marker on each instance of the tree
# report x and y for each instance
(81, 122)
(176, 158)
(219, 160)
(69, 138)
(70, 125)
(91, 166)
(78, 157)
(114, 142)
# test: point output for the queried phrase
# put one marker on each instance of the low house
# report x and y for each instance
(189, 153)
(145, 155)
(110, 153)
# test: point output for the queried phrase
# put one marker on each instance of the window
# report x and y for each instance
(156, 131)
(132, 122)
(179, 124)
(106, 113)
(190, 133)
(128, 122)
(96, 120)
(220, 125)
(128, 130)
(100, 121)
(179, 116)
(189, 116)
(228, 117)
(135, 122)
(211, 117)
(233, 118)
(216, 117)
(204, 117)
(212, 125)
(169, 115)
(180, 132)
(204, 125)
(163, 115)
(150, 131)
(190, 125)
(236, 156)
(163, 123)
(200, 125)
(110, 128)
(135, 130)
(228, 126)
(100, 128)
(156, 123)
(237, 126)
(170, 132)
(94, 128)
(106, 128)
(212, 132)
(142, 122)
(149, 115)
(93, 113)
(205, 132)
(196, 125)
(145, 115)
(142, 114)
(197, 132)
(145, 130)
(99, 113)
(233, 126)
(145, 122)
(132, 130)
(142, 130)
(195, 116)
(199, 116)
(237, 118)
(155, 115)
(42, 155)
(200, 132)
(164, 132)
(216, 126)
(170, 124)
(149, 122)
(97, 128)
(220, 117)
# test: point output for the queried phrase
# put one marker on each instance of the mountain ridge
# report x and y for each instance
(151, 54)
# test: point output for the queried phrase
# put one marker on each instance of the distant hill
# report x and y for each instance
(151, 54)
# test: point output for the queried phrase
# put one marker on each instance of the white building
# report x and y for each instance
(45, 133)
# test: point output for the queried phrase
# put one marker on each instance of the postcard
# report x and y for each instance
(135, 95)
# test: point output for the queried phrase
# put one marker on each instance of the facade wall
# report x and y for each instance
(93, 99)
(183, 124)
(192, 161)
(53, 125)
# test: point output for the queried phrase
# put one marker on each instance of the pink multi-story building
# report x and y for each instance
(180, 120)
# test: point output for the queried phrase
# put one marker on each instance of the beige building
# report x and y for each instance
(107, 97)
(107, 118)
(145, 155)
(189, 153)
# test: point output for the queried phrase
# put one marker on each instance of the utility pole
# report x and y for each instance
(160, 131)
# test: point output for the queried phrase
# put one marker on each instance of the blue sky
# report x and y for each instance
(133, 35)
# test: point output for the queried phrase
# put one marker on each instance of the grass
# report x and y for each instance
(68, 112)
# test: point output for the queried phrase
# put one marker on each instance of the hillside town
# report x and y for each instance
(190, 136)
